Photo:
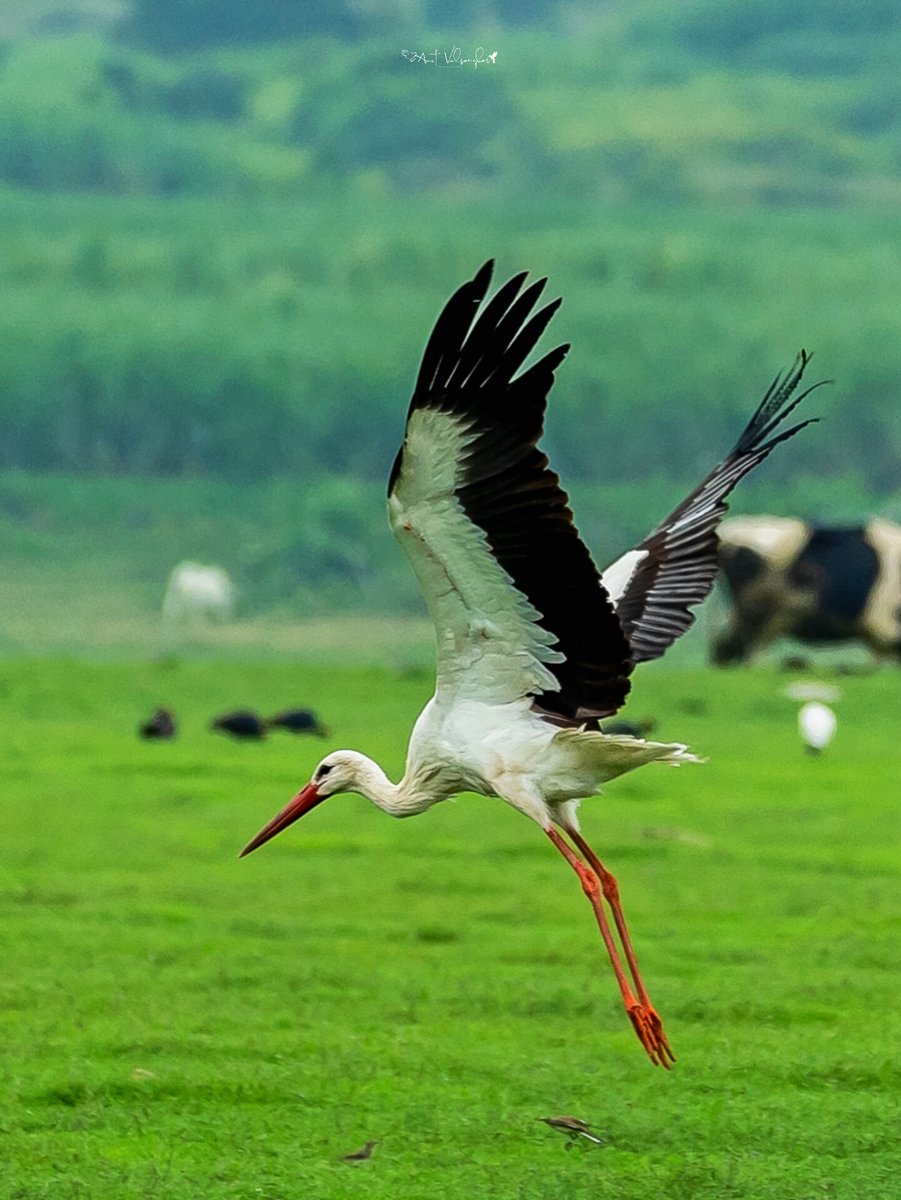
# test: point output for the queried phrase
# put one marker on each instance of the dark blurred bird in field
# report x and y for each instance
(359, 1155)
(636, 729)
(298, 720)
(794, 662)
(573, 1128)
(159, 727)
(241, 724)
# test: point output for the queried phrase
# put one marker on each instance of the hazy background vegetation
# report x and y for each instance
(226, 229)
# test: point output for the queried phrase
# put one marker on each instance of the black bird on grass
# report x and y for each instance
(242, 723)
(160, 727)
(298, 720)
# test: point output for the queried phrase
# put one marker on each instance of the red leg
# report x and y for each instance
(610, 890)
(641, 1012)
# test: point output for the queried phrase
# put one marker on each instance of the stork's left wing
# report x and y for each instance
(655, 586)
(516, 599)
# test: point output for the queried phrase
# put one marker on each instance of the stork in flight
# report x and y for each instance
(534, 646)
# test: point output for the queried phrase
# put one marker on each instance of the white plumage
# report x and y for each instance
(533, 649)
(816, 725)
(195, 591)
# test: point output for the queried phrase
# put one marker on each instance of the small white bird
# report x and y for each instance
(816, 725)
(535, 647)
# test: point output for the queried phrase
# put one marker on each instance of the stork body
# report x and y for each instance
(534, 647)
(506, 751)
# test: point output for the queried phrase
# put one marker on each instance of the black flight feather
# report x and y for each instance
(681, 560)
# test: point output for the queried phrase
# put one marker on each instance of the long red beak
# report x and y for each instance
(305, 799)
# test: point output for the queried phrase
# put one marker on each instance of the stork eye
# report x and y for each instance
(323, 771)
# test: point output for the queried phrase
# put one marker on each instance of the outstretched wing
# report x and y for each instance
(516, 599)
(655, 586)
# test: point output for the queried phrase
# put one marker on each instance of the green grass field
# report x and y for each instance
(179, 1024)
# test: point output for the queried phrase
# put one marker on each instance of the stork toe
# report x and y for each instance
(649, 1027)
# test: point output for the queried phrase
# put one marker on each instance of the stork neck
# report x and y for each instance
(398, 799)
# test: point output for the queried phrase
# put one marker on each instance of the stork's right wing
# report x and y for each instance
(655, 586)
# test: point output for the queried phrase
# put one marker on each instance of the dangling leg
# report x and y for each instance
(640, 1011)
(610, 889)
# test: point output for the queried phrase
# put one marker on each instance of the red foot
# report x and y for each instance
(647, 1024)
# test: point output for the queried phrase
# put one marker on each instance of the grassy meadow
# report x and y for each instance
(177, 1023)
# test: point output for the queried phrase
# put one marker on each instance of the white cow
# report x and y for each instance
(197, 592)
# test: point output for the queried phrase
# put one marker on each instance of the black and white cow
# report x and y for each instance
(817, 583)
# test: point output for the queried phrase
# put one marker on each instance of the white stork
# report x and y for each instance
(534, 646)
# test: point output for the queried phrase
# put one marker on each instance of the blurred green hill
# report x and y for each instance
(225, 230)
(762, 102)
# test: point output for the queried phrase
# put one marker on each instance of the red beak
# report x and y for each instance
(305, 799)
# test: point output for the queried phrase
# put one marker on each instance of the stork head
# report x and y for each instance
(337, 772)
